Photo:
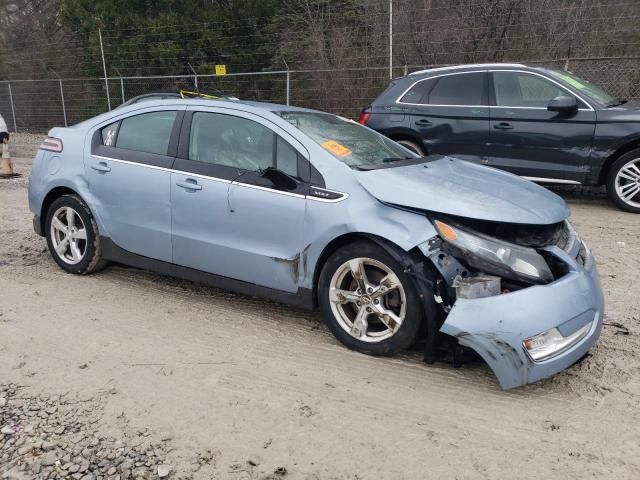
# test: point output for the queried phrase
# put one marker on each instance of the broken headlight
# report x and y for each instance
(491, 255)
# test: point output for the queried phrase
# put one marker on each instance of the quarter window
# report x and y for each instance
(108, 134)
(231, 141)
(517, 89)
(459, 89)
(148, 132)
(419, 93)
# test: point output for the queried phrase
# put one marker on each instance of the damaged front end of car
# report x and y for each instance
(526, 298)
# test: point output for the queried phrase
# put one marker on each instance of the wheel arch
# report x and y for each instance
(338, 243)
(49, 198)
(621, 150)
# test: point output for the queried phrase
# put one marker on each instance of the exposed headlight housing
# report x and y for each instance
(496, 256)
(551, 343)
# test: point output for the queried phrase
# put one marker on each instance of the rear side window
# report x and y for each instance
(148, 132)
(419, 93)
(459, 89)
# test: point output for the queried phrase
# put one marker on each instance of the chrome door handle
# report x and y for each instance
(101, 167)
(503, 126)
(189, 184)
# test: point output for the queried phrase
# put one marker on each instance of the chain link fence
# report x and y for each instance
(37, 105)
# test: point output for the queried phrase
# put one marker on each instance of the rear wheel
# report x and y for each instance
(413, 146)
(623, 181)
(367, 300)
(72, 236)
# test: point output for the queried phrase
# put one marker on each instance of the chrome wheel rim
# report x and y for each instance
(628, 183)
(68, 235)
(367, 299)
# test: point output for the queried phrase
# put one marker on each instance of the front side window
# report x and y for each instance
(231, 141)
(586, 87)
(519, 89)
(286, 158)
(459, 89)
(347, 140)
(148, 132)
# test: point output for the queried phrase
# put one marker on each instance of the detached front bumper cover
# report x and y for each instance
(497, 327)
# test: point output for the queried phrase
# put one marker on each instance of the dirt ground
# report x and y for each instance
(231, 387)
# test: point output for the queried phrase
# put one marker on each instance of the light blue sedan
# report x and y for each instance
(315, 210)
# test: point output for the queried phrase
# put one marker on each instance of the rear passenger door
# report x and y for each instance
(128, 172)
(450, 113)
(230, 215)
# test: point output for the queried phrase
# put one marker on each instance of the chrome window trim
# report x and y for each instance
(438, 76)
(344, 196)
(457, 67)
(490, 106)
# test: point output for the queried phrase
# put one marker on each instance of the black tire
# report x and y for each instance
(406, 334)
(612, 174)
(91, 260)
(413, 146)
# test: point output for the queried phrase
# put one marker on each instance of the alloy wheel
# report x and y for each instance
(627, 183)
(367, 299)
(68, 235)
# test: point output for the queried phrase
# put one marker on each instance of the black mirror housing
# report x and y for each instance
(564, 104)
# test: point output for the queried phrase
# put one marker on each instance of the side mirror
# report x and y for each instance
(563, 104)
(279, 179)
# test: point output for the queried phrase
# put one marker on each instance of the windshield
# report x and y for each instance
(347, 140)
(588, 88)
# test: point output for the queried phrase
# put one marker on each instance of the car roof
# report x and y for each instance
(471, 67)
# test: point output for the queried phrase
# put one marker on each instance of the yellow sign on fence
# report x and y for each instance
(221, 69)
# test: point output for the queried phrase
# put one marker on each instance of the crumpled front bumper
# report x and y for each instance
(495, 327)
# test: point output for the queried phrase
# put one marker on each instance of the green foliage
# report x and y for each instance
(144, 37)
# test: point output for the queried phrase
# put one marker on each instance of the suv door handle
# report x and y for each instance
(423, 123)
(101, 167)
(189, 184)
(503, 126)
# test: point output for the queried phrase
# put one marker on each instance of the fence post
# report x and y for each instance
(64, 108)
(122, 89)
(13, 109)
(566, 64)
(288, 96)
(390, 39)
(104, 69)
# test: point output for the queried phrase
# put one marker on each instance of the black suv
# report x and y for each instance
(544, 124)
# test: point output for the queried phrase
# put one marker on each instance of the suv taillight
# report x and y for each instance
(364, 117)
(51, 144)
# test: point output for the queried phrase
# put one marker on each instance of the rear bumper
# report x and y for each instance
(495, 327)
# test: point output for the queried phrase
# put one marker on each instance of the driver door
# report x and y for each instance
(229, 217)
(527, 139)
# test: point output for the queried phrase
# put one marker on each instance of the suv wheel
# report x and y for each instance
(413, 146)
(623, 181)
(367, 300)
(72, 236)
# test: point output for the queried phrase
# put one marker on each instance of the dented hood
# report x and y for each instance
(457, 187)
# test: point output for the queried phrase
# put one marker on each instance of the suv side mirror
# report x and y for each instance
(563, 104)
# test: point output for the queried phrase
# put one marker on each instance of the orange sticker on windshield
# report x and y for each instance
(336, 148)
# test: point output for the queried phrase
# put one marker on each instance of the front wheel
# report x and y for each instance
(367, 300)
(623, 181)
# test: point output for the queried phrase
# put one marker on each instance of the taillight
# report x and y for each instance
(52, 145)
(364, 117)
